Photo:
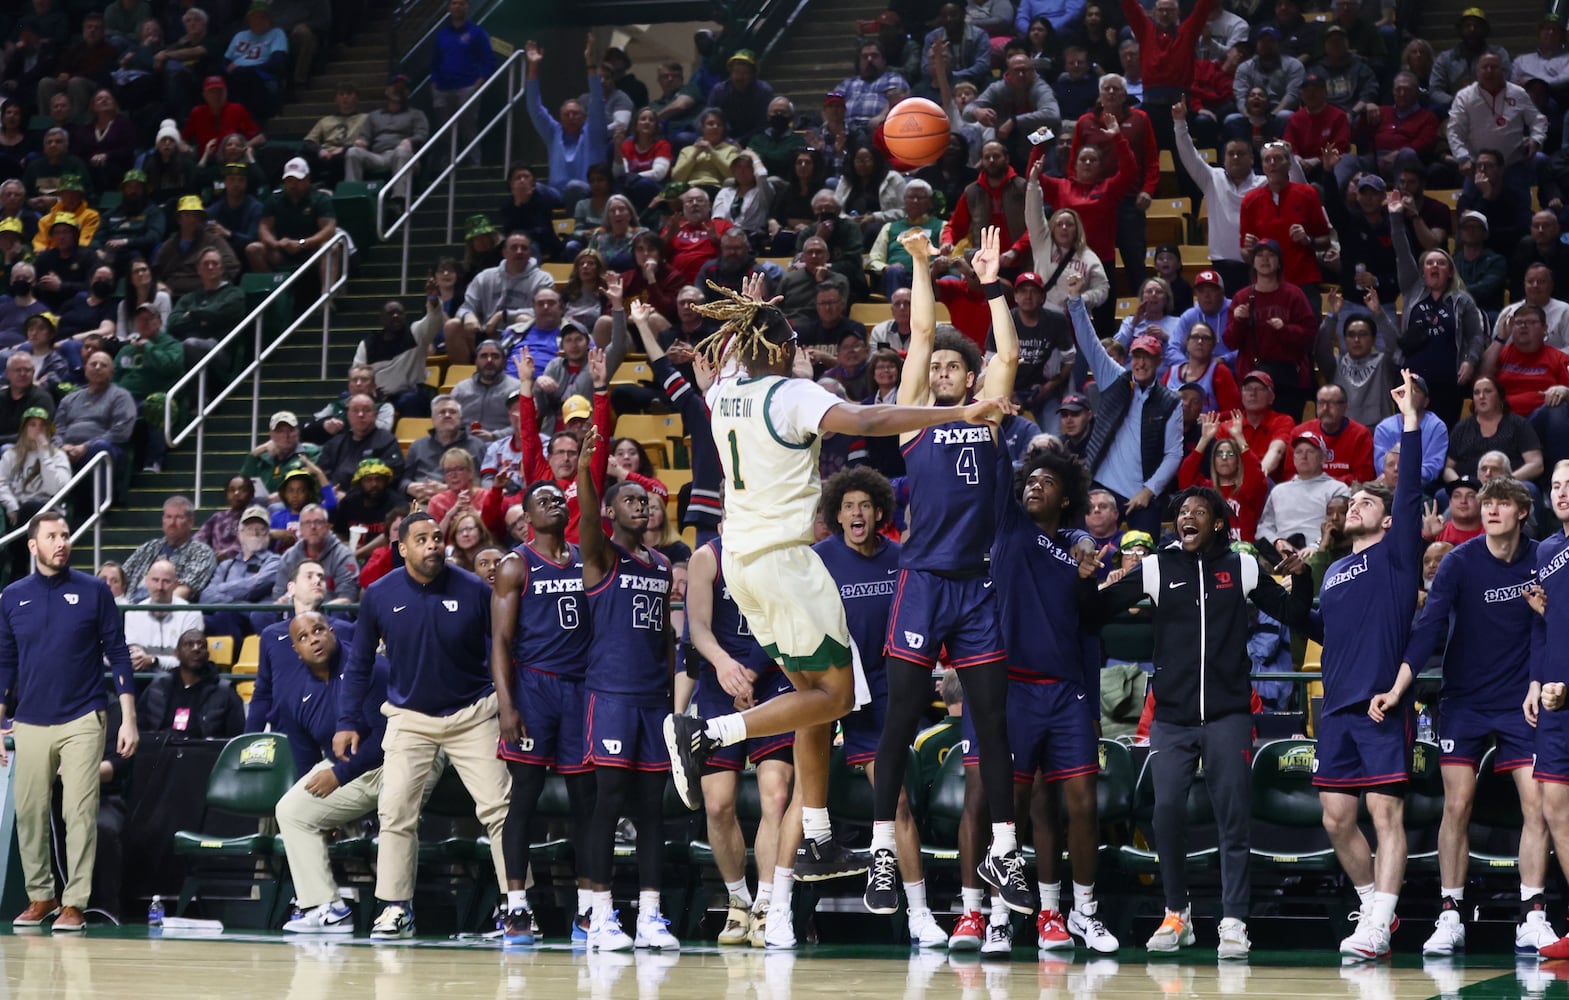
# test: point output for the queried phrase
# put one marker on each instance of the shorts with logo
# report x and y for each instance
(1051, 731)
(1353, 751)
(932, 613)
(1465, 733)
(623, 733)
(864, 727)
(553, 710)
(1552, 747)
(713, 700)
(791, 604)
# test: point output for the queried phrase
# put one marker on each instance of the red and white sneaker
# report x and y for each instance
(1558, 949)
(968, 933)
(1051, 931)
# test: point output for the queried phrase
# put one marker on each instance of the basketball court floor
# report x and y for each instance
(127, 962)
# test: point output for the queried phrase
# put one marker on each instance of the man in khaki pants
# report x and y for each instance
(57, 627)
(435, 622)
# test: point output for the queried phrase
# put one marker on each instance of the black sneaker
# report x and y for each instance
(882, 882)
(689, 746)
(818, 861)
(1005, 873)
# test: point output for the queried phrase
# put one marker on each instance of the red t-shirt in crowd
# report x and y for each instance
(637, 162)
(1350, 453)
(691, 247)
(1268, 217)
(1309, 133)
(1524, 377)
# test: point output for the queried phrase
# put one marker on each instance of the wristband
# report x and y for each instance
(993, 290)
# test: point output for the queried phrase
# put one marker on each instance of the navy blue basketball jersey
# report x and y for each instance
(952, 470)
(552, 632)
(729, 625)
(866, 587)
(628, 655)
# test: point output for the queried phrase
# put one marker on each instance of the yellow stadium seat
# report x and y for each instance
(250, 656)
(656, 432)
(411, 429)
(1313, 659)
(1449, 196)
(561, 272)
(870, 313)
(245, 689)
(632, 373)
(564, 227)
(220, 648)
(454, 375)
(1125, 307)
(1167, 220)
(674, 479)
(432, 374)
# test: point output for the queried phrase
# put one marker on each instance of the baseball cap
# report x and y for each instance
(1372, 181)
(1267, 31)
(190, 203)
(1312, 80)
(398, 78)
(576, 408)
(834, 97)
(1030, 278)
(1310, 438)
(1273, 246)
(1196, 387)
(1476, 12)
(72, 182)
(47, 317)
(477, 225)
(1208, 278)
(889, 18)
(36, 411)
(743, 55)
(283, 417)
(255, 512)
(1470, 215)
(134, 174)
(1464, 482)
(148, 307)
(1073, 403)
(370, 467)
(235, 169)
(1170, 248)
(1262, 378)
(11, 225)
(1420, 383)
(297, 168)
(65, 219)
(1147, 344)
(1136, 540)
(214, 82)
(260, 5)
(1334, 29)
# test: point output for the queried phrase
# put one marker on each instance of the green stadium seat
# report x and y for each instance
(1141, 860)
(355, 203)
(1495, 819)
(1283, 796)
(1424, 806)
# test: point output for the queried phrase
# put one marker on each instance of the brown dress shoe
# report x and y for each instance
(70, 919)
(38, 910)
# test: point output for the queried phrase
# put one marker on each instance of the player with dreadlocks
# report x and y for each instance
(768, 426)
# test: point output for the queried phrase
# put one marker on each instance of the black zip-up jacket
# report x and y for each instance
(1201, 626)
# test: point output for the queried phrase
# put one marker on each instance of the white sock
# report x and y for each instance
(1365, 896)
(784, 887)
(727, 729)
(999, 911)
(765, 892)
(1051, 894)
(815, 824)
(882, 835)
(1003, 839)
(1529, 892)
(1084, 898)
(517, 899)
(973, 899)
(1458, 895)
(585, 901)
(915, 895)
(648, 904)
(599, 909)
(739, 890)
(1384, 907)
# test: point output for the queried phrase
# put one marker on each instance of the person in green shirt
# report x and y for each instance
(888, 258)
(777, 144)
(202, 318)
(270, 462)
(294, 224)
(149, 363)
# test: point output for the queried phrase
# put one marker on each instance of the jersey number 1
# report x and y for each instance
(735, 463)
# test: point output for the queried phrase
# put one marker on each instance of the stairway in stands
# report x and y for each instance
(291, 377)
(818, 52)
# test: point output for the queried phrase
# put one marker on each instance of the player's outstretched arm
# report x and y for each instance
(914, 389)
(998, 378)
(598, 556)
(882, 419)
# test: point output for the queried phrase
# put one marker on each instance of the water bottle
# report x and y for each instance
(155, 912)
(1424, 725)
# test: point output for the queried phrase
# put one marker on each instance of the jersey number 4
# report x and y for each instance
(968, 468)
(648, 612)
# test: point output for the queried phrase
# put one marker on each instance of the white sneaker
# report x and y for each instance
(1448, 935)
(1176, 931)
(1088, 928)
(999, 939)
(738, 923)
(653, 931)
(779, 929)
(1369, 941)
(395, 921)
(1234, 943)
(607, 935)
(924, 932)
(328, 918)
(1533, 933)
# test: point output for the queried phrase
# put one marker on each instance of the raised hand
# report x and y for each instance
(917, 242)
(1090, 560)
(613, 290)
(986, 261)
(532, 52)
(596, 368)
(1236, 427)
(1209, 426)
(525, 368)
(1432, 520)
(589, 446)
(1179, 111)
(1109, 125)
(1401, 394)
(754, 286)
(987, 411)
(1074, 282)
(588, 50)
(642, 312)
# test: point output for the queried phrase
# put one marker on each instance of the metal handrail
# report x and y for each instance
(102, 497)
(512, 72)
(198, 371)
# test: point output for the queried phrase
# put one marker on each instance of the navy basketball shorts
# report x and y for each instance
(931, 613)
(626, 732)
(713, 700)
(552, 707)
(1355, 752)
(1465, 733)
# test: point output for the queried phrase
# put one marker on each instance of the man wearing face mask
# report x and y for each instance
(245, 577)
(777, 144)
(192, 702)
(20, 306)
(137, 226)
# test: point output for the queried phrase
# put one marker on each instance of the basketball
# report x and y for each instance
(916, 132)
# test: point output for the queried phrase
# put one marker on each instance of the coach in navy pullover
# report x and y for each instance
(1477, 601)
(44, 620)
(309, 716)
(438, 644)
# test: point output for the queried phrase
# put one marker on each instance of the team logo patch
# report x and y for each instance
(1447, 746)
(612, 747)
(526, 745)
(450, 605)
(964, 746)
(72, 598)
(914, 640)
